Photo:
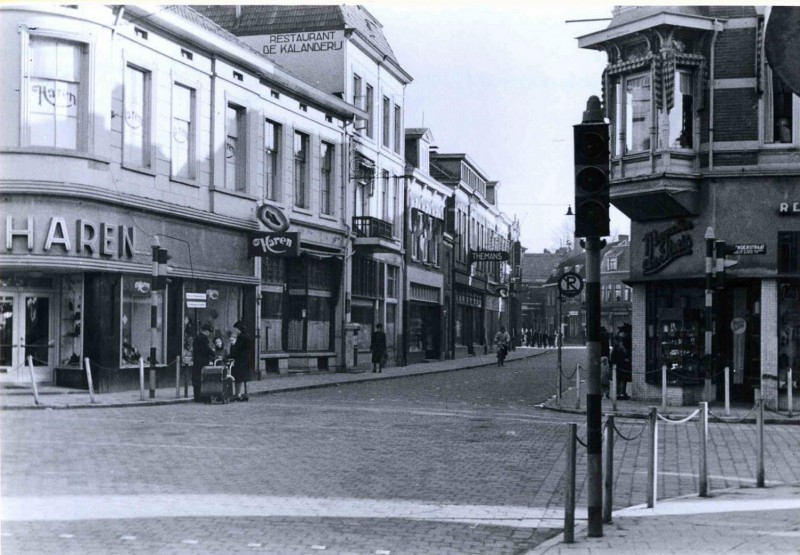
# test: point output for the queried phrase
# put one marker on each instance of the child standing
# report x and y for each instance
(605, 377)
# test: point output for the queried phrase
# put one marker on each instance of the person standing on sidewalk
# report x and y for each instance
(240, 353)
(202, 353)
(378, 348)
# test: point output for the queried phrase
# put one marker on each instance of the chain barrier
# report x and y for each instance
(581, 442)
(731, 420)
(681, 421)
(563, 375)
(637, 436)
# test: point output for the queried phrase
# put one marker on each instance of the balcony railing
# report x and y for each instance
(367, 226)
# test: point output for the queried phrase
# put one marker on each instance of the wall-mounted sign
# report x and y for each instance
(738, 326)
(196, 300)
(295, 43)
(279, 245)
(661, 248)
(272, 217)
(87, 238)
(487, 256)
(789, 208)
(756, 248)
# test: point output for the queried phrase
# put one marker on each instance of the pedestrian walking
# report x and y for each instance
(619, 358)
(240, 353)
(378, 348)
(202, 354)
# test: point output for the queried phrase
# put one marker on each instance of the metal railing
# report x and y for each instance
(367, 226)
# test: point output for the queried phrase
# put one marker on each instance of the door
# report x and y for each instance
(26, 330)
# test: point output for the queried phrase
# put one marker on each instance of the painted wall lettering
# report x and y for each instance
(661, 248)
(292, 43)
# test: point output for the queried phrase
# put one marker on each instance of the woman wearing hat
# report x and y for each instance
(240, 353)
(202, 353)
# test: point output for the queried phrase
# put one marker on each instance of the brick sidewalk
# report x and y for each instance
(15, 398)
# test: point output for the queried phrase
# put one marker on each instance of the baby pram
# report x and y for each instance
(216, 382)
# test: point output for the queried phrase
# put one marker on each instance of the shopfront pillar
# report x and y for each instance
(769, 343)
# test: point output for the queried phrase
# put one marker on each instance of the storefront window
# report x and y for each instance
(136, 325)
(675, 335)
(223, 309)
(271, 320)
(391, 324)
(788, 330)
(71, 321)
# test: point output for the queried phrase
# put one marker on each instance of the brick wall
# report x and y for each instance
(735, 54)
(769, 342)
(735, 115)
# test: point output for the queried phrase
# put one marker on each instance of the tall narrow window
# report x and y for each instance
(782, 114)
(300, 170)
(398, 131)
(54, 96)
(272, 142)
(391, 211)
(183, 149)
(681, 116)
(387, 116)
(368, 107)
(358, 99)
(326, 178)
(638, 113)
(235, 148)
(136, 124)
(619, 115)
(385, 195)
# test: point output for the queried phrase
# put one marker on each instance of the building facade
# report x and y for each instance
(615, 294)
(134, 124)
(705, 141)
(342, 51)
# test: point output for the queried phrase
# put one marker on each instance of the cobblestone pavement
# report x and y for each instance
(455, 462)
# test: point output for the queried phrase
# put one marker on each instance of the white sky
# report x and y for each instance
(504, 82)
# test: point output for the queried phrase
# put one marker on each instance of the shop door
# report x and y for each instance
(25, 330)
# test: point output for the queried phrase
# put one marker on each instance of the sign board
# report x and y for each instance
(570, 284)
(196, 300)
(274, 245)
(272, 217)
(738, 326)
(488, 256)
(757, 248)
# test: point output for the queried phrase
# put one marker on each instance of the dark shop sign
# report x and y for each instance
(662, 248)
(487, 256)
(273, 245)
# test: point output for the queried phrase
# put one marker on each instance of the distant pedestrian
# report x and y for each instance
(619, 359)
(240, 353)
(605, 345)
(605, 377)
(378, 348)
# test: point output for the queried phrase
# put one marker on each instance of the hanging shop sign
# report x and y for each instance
(758, 248)
(272, 217)
(273, 245)
(789, 208)
(196, 300)
(662, 248)
(487, 256)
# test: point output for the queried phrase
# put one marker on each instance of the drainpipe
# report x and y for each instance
(717, 29)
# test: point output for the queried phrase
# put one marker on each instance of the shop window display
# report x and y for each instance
(788, 332)
(135, 322)
(675, 335)
(71, 321)
(223, 309)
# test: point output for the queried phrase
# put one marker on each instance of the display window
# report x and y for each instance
(135, 323)
(71, 321)
(223, 309)
(788, 332)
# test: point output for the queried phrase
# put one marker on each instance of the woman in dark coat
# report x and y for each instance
(240, 353)
(202, 353)
(378, 348)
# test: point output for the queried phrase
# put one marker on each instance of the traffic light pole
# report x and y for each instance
(594, 419)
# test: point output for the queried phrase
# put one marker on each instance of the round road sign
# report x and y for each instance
(570, 284)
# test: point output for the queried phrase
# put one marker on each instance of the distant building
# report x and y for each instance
(536, 268)
(615, 295)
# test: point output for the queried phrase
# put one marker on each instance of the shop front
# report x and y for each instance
(424, 323)
(470, 333)
(76, 284)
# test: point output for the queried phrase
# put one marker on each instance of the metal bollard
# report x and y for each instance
(89, 379)
(652, 460)
(664, 387)
(578, 386)
(614, 388)
(727, 391)
(789, 392)
(141, 379)
(703, 479)
(33, 381)
(760, 433)
(569, 495)
(177, 379)
(608, 473)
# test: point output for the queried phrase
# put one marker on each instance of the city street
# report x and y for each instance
(457, 462)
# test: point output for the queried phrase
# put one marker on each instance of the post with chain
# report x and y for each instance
(703, 449)
(88, 367)
(760, 434)
(578, 386)
(614, 388)
(569, 494)
(608, 476)
(789, 392)
(154, 318)
(727, 391)
(664, 387)
(652, 459)
(558, 347)
(141, 379)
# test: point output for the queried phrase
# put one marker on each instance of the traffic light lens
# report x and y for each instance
(593, 146)
(591, 180)
(593, 212)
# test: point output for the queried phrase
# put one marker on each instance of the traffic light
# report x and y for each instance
(591, 180)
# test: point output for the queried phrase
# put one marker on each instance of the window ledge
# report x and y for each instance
(139, 169)
(779, 146)
(239, 194)
(185, 181)
(39, 151)
(304, 211)
(329, 217)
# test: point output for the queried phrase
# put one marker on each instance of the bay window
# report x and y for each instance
(681, 115)
(638, 113)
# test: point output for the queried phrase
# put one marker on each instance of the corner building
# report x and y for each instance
(705, 138)
(126, 123)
